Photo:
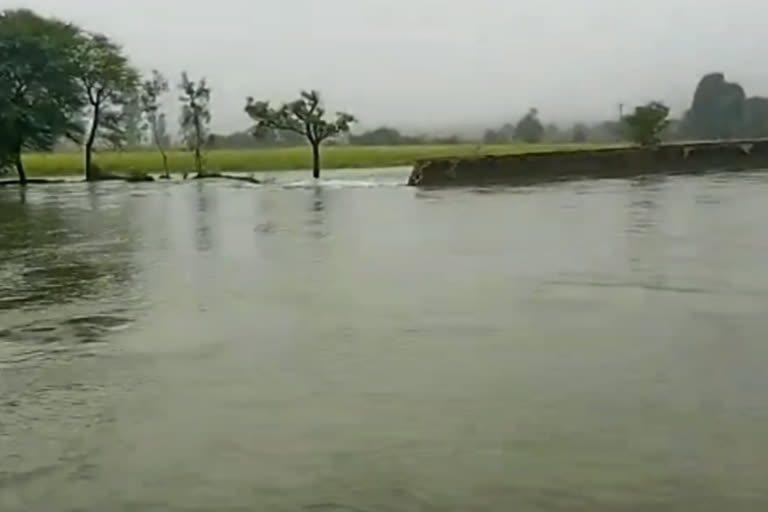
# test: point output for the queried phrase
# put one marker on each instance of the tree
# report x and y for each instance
(149, 100)
(507, 132)
(503, 135)
(529, 129)
(305, 116)
(108, 82)
(383, 136)
(579, 133)
(195, 116)
(39, 97)
(647, 122)
(491, 136)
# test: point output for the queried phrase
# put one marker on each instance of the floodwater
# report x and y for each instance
(359, 346)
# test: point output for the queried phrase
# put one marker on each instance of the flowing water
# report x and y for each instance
(358, 345)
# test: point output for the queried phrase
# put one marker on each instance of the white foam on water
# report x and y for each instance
(343, 183)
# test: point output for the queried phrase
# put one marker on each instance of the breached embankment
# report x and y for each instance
(529, 168)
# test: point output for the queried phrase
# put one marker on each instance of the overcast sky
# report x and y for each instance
(438, 63)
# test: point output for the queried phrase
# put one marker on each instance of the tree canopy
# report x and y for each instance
(529, 129)
(40, 100)
(647, 123)
(579, 133)
(382, 136)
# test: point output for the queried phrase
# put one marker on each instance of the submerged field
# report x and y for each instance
(591, 346)
(272, 159)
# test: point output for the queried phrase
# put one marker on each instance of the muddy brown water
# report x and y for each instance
(358, 345)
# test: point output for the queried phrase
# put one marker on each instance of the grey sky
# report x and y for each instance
(438, 63)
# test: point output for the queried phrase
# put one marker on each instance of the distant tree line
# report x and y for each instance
(528, 129)
(382, 136)
(719, 110)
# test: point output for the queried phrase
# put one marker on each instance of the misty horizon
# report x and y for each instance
(433, 66)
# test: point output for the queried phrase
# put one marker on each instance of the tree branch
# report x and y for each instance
(311, 133)
(314, 102)
(277, 125)
(94, 100)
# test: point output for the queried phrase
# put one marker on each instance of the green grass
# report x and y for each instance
(272, 159)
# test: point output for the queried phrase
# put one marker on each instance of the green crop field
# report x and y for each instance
(272, 159)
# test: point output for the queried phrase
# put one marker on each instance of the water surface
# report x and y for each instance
(358, 345)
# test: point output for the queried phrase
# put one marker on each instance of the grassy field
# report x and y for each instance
(272, 159)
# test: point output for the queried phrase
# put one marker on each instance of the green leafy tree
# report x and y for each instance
(305, 116)
(152, 91)
(108, 82)
(647, 122)
(39, 97)
(195, 116)
(529, 129)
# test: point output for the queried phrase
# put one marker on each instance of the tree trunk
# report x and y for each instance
(161, 149)
(20, 168)
(198, 144)
(315, 160)
(167, 174)
(165, 164)
(198, 160)
(89, 174)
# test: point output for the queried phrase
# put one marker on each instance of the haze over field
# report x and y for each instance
(435, 65)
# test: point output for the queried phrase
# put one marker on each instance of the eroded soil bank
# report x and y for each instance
(601, 163)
